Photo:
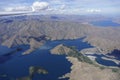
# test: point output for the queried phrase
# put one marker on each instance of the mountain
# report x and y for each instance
(36, 29)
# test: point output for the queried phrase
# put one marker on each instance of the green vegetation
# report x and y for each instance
(61, 50)
(32, 71)
(116, 70)
(24, 78)
(102, 67)
(36, 69)
(75, 53)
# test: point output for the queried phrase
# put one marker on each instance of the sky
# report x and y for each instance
(61, 6)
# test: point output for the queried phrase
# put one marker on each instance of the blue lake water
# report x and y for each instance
(17, 65)
(105, 62)
(4, 49)
(116, 54)
(107, 23)
(102, 61)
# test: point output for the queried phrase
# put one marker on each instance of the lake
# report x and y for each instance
(105, 23)
(99, 59)
(17, 65)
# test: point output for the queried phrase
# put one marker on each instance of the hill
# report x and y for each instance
(32, 29)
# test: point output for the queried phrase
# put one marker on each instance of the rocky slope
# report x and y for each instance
(37, 29)
(85, 71)
(60, 49)
(82, 67)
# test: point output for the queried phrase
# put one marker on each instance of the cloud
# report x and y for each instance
(57, 2)
(8, 9)
(63, 7)
(93, 10)
(36, 6)
(18, 8)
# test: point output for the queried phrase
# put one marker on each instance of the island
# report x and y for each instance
(32, 71)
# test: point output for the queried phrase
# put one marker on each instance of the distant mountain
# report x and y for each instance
(36, 29)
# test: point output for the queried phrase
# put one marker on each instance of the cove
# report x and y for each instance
(102, 61)
(56, 65)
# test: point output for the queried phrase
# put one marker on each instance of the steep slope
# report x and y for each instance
(20, 30)
(84, 68)
(85, 71)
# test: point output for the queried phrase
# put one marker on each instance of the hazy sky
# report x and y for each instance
(61, 6)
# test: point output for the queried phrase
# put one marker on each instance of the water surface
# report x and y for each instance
(56, 65)
(106, 23)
